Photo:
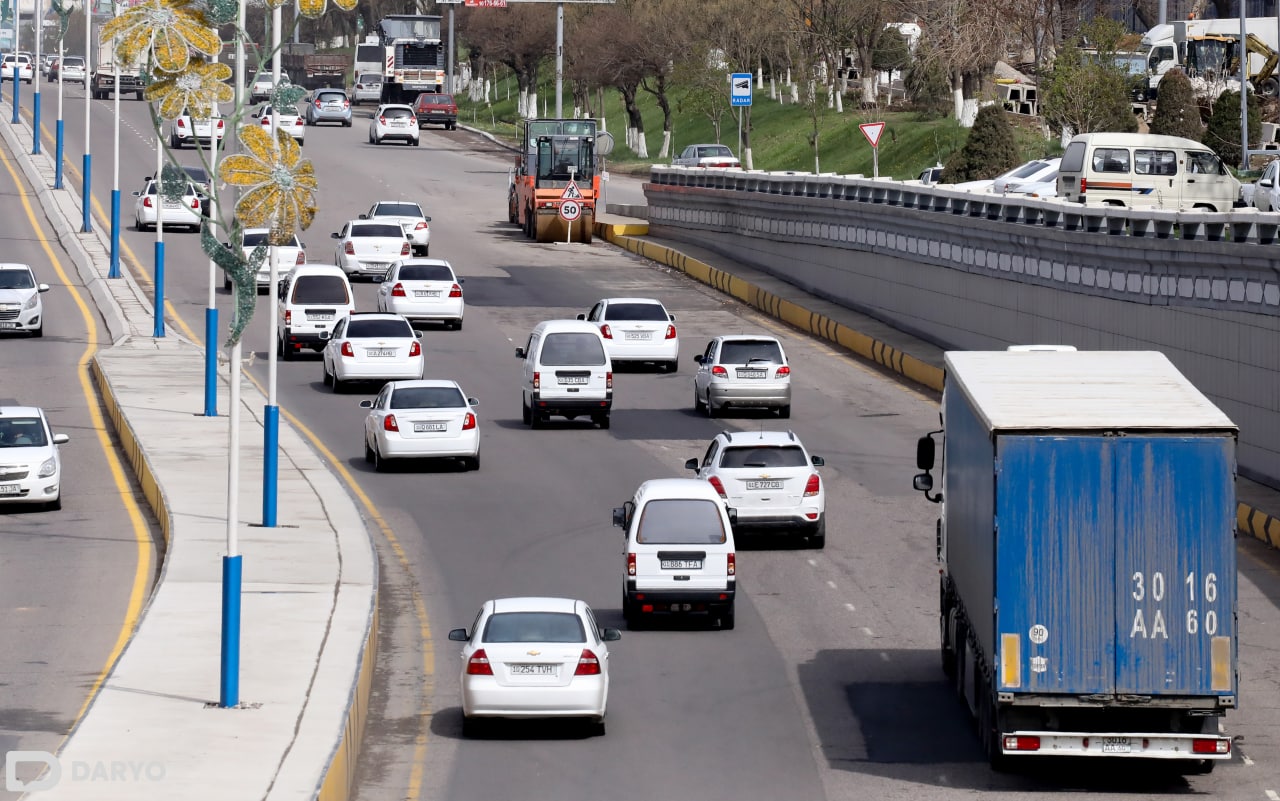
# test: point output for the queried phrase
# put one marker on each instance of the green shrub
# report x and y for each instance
(989, 151)
(1223, 133)
(1177, 113)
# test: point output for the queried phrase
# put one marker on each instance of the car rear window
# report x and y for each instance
(21, 432)
(397, 210)
(534, 627)
(681, 521)
(380, 229)
(255, 239)
(433, 99)
(572, 350)
(646, 312)
(397, 113)
(320, 289)
(16, 279)
(745, 351)
(326, 97)
(427, 398)
(425, 272)
(764, 456)
(380, 328)
(714, 151)
(370, 77)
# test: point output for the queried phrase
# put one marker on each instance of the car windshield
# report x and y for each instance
(428, 398)
(1026, 170)
(764, 456)
(380, 229)
(534, 627)
(573, 350)
(151, 189)
(744, 351)
(255, 238)
(16, 279)
(425, 272)
(74, 61)
(681, 521)
(397, 210)
(21, 432)
(311, 289)
(645, 312)
(380, 328)
(715, 151)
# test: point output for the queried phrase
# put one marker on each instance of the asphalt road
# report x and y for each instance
(70, 580)
(830, 687)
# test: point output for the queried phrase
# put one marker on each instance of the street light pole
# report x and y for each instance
(559, 59)
(38, 34)
(86, 165)
(115, 164)
(210, 211)
(57, 170)
(157, 329)
(271, 416)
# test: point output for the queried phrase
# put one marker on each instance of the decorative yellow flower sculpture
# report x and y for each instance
(170, 29)
(282, 185)
(314, 9)
(196, 90)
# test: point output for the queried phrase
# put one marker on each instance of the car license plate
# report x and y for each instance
(1116, 745)
(681, 564)
(421, 428)
(533, 670)
(399, 123)
(314, 316)
(571, 379)
(637, 335)
(751, 374)
(426, 293)
(380, 352)
(375, 265)
(168, 204)
(8, 325)
(10, 489)
(764, 485)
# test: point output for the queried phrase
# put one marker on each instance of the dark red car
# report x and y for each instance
(436, 108)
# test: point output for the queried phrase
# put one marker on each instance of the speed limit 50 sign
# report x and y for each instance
(570, 210)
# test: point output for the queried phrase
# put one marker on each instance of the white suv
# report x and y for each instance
(30, 468)
(742, 370)
(20, 306)
(770, 480)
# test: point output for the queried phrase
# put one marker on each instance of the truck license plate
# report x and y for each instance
(1116, 745)
(313, 316)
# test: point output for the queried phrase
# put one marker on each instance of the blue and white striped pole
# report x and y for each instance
(16, 82)
(86, 166)
(57, 170)
(38, 24)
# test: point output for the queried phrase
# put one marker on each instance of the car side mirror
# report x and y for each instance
(924, 453)
(366, 404)
(335, 235)
(462, 280)
(923, 482)
(1266, 183)
(818, 461)
(672, 316)
(61, 439)
(692, 464)
(582, 316)
(620, 516)
(324, 336)
(304, 245)
(520, 354)
(42, 288)
(137, 194)
(428, 219)
(364, 216)
(458, 635)
(610, 635)
(417, 334)
(697, 359)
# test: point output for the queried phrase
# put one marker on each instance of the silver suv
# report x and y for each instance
(742, 371)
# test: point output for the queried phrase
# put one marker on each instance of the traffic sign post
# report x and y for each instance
(739, 96)
(873, 130)
(570, 204)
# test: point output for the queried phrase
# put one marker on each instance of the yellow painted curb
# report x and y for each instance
(610, 230)
(1249, 520)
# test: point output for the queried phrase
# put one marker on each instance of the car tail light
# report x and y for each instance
(719, 372)
(421, 226)
(478, 664)
(717, 486)
(588, 664)
(455, 291)
(317, 102)
(605, 332)
(608, 380)
(301, 260)
(1206, 746)
(631, 564)
(346, 103)
(404, 249)
(397, 291)
(731, 566)
(537, 380)
(181, 124)
(1021, 742)
(671, 332)
(468, 422)
(195, 204)
(298, 121)
(347, 350)
(146, 202)
(389, 423)
(382, 120)
(813, 486)
(220, 125)
(288, 317)
(415, 349)
(266, 120)
(783, 372)
(349, 249)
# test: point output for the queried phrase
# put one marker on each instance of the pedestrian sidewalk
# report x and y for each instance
(156, 730)
(913, 358)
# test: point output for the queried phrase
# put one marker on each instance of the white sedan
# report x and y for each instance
(187, 130)
(367, 346)
(288, 256)
(32, 472)
(368, 247)
(637, 330)
(706, 156)
(1264, 194)
(423, 419)
(184, 213)
(394, 122)
(409, 216)
(423, 290)
(291, 122)
(535, 658)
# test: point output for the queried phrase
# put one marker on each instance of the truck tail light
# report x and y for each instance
(389, 423)
(349, 249)
(631, 564)
(455, 291)
(1082, 185)
(397, 291)
(783, 372)
(1211, 746)
(348, 351)
(468, 422)
(732, 564)
(605, 332)
(671, 332)
(717, 486)
(1021, 742)
(537, 381)
(719, 372)
(588, 664)
(478, 664)
(608, 380)
(813, 486)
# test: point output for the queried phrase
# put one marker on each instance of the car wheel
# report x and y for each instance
(537, 419)
(417, 141)
(595, 728)
(174, 143)
(818, 539)
(601, 420)
(226, 284)
(328, 376)
(471, 462)
(698, 405)
(339, 386)
(36, 333)
(726, 620)
(673, 365)
(368, 452)
(784, 412)
(379, 464)
(457, 324)
(472, 727)
(712, 411)
(54, 505)
(526, 416)
(286, 350)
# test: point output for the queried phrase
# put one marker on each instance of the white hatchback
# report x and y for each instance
(288, 256)
(423, 290)
(770, 480)
(394, 123)
(637, 330)
(423, 419)
(369, 248)
(535, 658)
(366, 346)
(20, 306)
(742, 370)
(182, 213)
(188, 130)
(30, 466)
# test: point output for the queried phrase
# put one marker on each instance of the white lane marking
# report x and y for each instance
(1221, 727)
(1273, 795)
(813, 563)
(831, 584)
(867, 631)
(1246, 760)
(850, 607)
(884, 656)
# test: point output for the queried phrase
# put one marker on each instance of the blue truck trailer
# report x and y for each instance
(1088, 562)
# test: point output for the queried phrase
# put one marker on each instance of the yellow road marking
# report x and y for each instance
(141, 531)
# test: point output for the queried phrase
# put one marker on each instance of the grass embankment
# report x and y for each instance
(779, 133)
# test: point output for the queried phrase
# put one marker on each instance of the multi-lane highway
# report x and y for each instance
(73, 581)
(829, 687)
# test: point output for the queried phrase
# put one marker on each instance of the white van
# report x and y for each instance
(313, 297)
(567, 372)
(680, 552)
(1145, 170)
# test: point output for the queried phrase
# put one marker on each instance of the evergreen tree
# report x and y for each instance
(1223, 134)
(989, 151)
(1177, 113)
(927, 86)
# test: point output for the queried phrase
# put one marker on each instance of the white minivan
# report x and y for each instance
(313, 298)
(1145, 170)
(567, 372)
(680, 552)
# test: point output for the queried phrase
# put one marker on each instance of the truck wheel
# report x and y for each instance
(137, 95)
(1196, 767)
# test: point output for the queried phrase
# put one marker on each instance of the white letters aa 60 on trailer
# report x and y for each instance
(872, 131)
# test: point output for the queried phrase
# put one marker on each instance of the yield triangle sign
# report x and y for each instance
(872, 131)
(571, 192)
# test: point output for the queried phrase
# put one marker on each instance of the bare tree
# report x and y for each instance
(665, 39)
(967, 37)
(744, 43)
(519, 36)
